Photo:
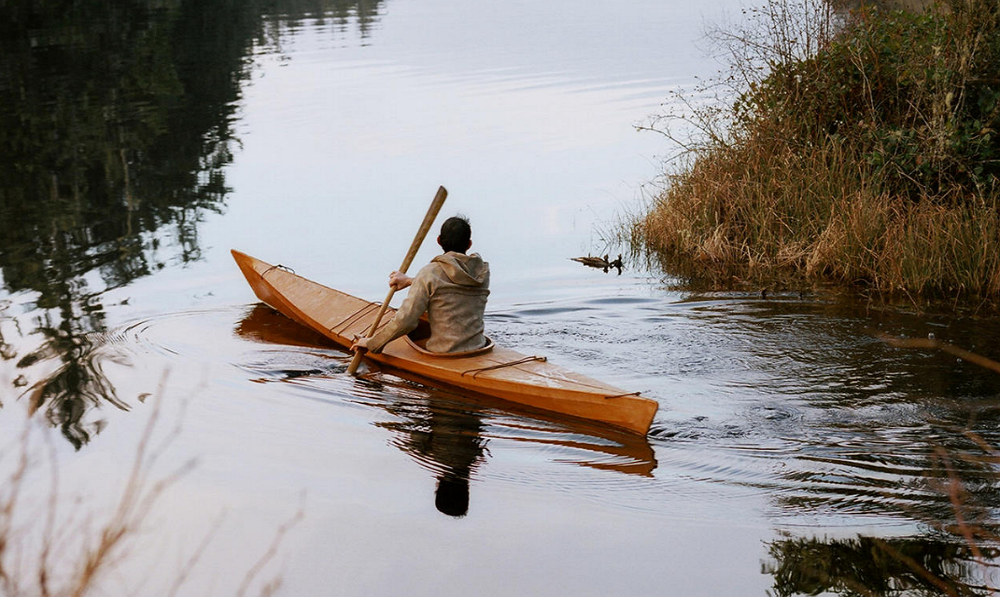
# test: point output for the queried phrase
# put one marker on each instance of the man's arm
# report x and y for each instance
(399, 281)
(406, 318)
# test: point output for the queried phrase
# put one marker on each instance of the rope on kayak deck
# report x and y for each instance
(622, 395)
(340, 328)
(479, 370)
(279, 266)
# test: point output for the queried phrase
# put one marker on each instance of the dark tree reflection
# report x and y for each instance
(871, 567)
(77, 385)
(954, 496)
(116, 123)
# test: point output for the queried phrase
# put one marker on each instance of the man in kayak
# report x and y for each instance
(451, 289)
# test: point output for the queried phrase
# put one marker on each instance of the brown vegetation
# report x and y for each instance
(861, 149)
(49, 553)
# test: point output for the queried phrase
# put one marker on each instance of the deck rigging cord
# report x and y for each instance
(341, 327)
(479, 370)
(369, 307)
(279, 266)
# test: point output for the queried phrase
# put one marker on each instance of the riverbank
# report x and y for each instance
(865, 155)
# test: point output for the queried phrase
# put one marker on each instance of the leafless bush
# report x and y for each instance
(46, 556)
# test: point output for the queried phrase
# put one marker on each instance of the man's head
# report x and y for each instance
(456, 235)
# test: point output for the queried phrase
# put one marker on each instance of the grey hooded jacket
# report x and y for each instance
(452, 289)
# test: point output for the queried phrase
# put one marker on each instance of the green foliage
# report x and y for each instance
(917, 94)
(872, 158)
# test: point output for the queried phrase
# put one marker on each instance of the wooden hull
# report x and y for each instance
(502, 373)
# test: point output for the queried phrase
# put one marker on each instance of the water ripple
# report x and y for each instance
(807, 423)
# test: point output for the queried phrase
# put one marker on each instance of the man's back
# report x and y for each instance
(452, 290)
(457, 286)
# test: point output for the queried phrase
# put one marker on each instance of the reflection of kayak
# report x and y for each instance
(573, 441)
(493, 371)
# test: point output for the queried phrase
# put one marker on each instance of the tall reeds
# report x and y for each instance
(857, 148)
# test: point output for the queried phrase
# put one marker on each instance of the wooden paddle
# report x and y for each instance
(418, 240)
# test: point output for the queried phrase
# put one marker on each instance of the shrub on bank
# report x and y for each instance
(861, 149)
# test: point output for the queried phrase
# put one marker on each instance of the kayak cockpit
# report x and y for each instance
(417, 339)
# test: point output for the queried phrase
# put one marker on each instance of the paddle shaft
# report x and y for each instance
(418, 240)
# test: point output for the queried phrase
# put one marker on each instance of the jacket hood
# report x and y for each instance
(464, 270)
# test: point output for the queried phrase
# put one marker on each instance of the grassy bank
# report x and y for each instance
(860, 149)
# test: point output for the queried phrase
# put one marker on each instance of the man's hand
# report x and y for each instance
(398, 281)
(359, 344)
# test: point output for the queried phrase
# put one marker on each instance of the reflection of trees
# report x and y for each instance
(886, 425)
(77, 385)
(890, 433)
(115, 126)
(947, 482)
(364, 14)
(866, 566)
(940, 477)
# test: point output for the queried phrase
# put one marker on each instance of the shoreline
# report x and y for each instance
(868, 161)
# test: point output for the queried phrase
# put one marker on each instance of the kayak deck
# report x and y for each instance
(523, 379)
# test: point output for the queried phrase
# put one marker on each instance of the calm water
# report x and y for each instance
(794, 452)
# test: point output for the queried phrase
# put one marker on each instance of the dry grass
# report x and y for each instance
(46, 556)
(857, 151)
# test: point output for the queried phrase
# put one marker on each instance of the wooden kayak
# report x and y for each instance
(494, 371)
(468, 417)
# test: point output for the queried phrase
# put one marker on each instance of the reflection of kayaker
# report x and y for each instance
(448, 433)
(447, 440)
(451, 290)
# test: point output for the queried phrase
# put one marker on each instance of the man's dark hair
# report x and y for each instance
(455, 234)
